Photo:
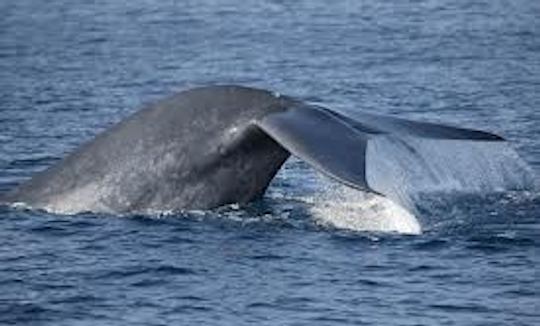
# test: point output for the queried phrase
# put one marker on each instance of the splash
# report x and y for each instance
(346, 208)
(332, 204)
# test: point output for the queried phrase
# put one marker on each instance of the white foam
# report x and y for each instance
(20, 206)
(346, 208)
(336, 205)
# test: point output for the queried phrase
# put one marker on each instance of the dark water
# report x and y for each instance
(69, 69)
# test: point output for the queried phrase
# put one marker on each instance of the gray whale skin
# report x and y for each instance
(211, 146)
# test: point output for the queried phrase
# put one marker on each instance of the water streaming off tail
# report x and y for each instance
(406, 166)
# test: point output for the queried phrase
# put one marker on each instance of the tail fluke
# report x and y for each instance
(398, 157)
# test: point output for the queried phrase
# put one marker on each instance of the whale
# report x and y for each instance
(211, 146)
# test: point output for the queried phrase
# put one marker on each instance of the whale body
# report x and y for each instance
(211, 146)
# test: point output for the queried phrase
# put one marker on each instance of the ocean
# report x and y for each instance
(70, 69)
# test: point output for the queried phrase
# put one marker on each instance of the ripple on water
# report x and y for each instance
(130, 271)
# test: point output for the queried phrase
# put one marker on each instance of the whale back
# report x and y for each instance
(194, 150)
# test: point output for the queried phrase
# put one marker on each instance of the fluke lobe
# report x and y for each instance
(216, 145)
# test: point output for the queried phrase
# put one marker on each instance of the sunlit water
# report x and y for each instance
(311, 252)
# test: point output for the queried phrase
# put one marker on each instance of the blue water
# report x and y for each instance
(69, 69)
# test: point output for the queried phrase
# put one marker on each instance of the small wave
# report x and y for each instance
(140, 270)
(267, 257)
(26, 312)
(500, 242)
(432, 244)
(451, 307)
(20, 206)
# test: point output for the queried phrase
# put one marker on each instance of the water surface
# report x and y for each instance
(70, 69)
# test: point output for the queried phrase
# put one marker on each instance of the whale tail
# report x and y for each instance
(397, 157)
(217, 145)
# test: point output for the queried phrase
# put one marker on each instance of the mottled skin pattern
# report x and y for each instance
(198, 149)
